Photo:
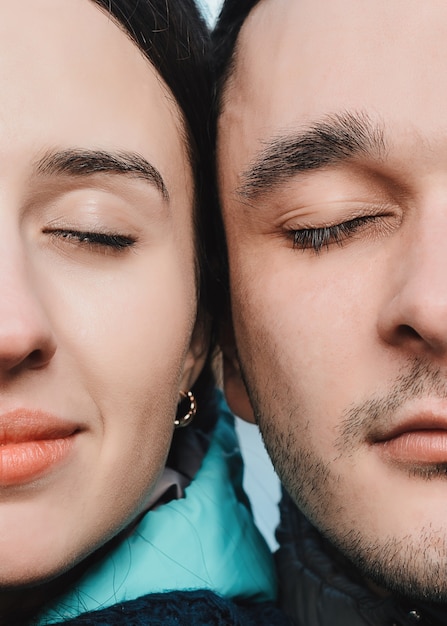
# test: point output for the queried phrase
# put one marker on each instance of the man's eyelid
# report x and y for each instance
(327, 215)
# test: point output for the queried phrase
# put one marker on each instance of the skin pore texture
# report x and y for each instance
(332, 159)
(98, 283)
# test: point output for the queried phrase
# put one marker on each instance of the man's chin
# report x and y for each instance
(413, 569)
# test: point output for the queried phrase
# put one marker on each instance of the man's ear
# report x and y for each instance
(235, 390)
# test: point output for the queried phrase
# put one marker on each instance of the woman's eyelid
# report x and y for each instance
(91, 210)
(97, 235)
(106, 225)
(89, 239)
(85, 223)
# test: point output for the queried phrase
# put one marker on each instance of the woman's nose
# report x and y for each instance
(26, 336)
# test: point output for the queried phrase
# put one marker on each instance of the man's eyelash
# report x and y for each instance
(115, 241)
(318, 238)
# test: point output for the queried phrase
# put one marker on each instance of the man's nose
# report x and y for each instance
(413, 314)
(26, 337)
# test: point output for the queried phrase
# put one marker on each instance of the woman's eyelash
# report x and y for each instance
(115, 241)
(318, 238)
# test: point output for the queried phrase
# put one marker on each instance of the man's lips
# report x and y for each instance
(32, 442)
(421, 440)
(418, 446)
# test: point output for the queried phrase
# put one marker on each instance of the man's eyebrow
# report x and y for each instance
(79, 162)
(325, 143)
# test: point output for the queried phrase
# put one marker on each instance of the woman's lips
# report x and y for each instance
(31, 443)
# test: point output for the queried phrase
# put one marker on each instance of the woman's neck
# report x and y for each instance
(20, 605)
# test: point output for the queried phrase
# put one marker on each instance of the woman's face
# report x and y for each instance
(97, 283)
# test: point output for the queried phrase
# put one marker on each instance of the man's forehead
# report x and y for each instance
(319, 33)
(297, 62)
(333, 18)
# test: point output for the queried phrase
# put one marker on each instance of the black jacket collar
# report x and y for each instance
(316, 590)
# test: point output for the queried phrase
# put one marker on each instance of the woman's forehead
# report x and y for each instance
(77, 80)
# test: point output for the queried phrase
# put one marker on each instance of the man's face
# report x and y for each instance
(97, 273)
(333, 173)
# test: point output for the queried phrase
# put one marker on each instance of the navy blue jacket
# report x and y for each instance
(183, 608)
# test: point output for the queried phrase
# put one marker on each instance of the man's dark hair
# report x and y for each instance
(174, 37)
(224, 39)
(223, 48)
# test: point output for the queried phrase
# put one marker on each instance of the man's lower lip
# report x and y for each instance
(419, 446)
(27, 460)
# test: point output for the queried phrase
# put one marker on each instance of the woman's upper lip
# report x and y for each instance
(20, 425)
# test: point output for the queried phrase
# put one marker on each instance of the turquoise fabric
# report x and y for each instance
(206, 540)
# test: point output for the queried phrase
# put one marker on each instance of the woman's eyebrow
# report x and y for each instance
(80, 162)
(334, 139)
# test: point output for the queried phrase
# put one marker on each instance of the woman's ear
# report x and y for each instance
(234, 386)
(197, 354)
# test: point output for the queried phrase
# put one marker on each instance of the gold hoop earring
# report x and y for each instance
(187, 419)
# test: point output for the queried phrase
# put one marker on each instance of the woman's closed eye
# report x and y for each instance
(93, 239)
